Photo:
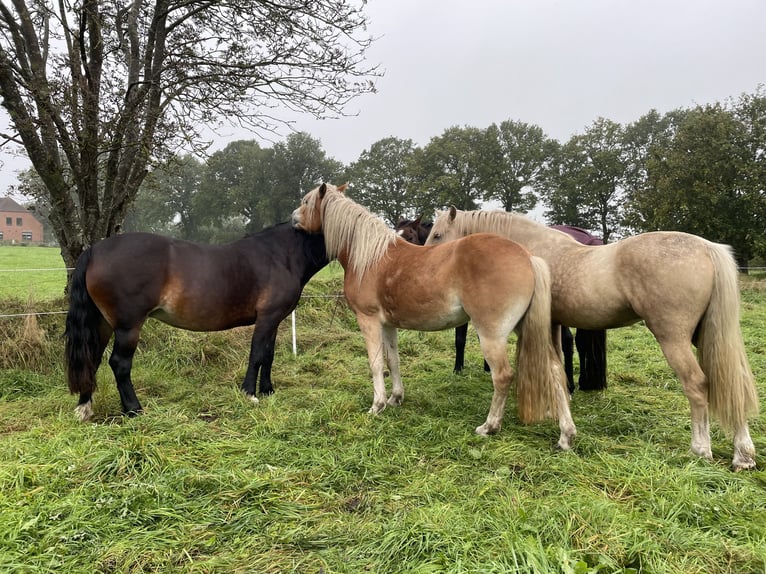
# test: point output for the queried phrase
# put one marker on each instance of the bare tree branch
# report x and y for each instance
(96, 90)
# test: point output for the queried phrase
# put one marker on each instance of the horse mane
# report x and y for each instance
(495, 221)
(346, 225)
(499, 222)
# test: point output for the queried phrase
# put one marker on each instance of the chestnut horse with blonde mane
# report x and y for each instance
(390, 284)
(682, 286)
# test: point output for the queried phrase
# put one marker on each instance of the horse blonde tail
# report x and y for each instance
(540, 378)
(720, 349)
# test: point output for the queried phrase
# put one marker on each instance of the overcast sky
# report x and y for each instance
(559, 64)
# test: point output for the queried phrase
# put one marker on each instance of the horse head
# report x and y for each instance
(443, 228)
(409, 230)
(308, 215)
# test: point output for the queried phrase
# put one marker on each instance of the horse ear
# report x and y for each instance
(342, 188)
(452, 212)
(417, 221)
(322, 190)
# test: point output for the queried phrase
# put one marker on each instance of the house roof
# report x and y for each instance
(7, 204)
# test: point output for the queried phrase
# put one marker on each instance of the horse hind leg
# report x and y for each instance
(496, 355)
(121, 362)
(681, 359)
(84, 409)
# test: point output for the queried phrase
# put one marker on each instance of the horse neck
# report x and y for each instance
(538, 238)
(304, 253)
(314, 256)
(353, 235)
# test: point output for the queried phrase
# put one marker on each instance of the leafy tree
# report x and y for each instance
(447, 171)
(750, 110)
(701, 181)
(645, 143)
(298, 164)
(515, 162)
(234, 179)
(588, 183)
(381, 179)
(561, 190)
(166, 201)
(97, 91)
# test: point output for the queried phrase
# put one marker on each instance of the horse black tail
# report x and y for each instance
(591, 346)
(83, 341)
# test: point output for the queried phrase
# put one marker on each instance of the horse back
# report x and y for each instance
(651, 275)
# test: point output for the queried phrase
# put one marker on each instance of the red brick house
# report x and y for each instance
(17, 224)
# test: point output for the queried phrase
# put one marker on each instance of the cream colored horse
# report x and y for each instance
(682, 286)
(390, 283)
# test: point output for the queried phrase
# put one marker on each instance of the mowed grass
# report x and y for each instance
(307, 481)
(18, 283)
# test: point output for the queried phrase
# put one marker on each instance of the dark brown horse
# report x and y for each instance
(121, 281)
(591, 344)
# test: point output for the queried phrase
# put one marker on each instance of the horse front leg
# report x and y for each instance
(461, 333)
(567, 427)
(264, 385)
(372, 330)
(121, 362)
(591, 348)
(261, 358)
(391, 346)
(567, 347)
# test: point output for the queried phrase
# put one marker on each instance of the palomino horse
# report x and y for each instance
(682, 286)
(121, 281)
(591, 345)
(392, 284)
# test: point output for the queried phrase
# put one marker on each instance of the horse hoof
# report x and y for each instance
(394, 401)
(377, 409)
(84, 412)
(252, 398)
(702, 452)
(134, 412)
(486, 430)
(742, 463)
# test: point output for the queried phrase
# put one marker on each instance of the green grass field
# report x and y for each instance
(307, 481)
(16, 283)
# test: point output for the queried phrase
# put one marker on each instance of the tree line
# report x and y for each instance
(102, 97)
(701, 170)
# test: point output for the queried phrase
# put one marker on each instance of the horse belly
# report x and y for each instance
(427, 320)
(585, 316)
(428, 312)
(203, 321)
(590, 303)
(188, 304)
